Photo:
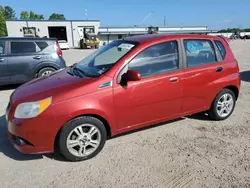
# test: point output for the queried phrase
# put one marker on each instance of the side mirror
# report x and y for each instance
(131, 75)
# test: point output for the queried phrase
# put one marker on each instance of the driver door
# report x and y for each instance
(158, 95)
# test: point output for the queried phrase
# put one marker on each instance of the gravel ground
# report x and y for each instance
(190, 152)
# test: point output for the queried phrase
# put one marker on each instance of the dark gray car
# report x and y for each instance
(25, 58)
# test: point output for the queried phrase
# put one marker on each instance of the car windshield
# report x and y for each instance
(104, 58)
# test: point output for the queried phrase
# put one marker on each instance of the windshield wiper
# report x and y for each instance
(78, 72)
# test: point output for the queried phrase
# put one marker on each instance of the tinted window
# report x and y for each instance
(2, 44)
(42, 45)
(27, 47)
(157, 59)
(221, 48)
(199, 52)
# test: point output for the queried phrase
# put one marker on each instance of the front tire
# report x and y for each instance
(45, 71)
(223, 105)
(82, 138)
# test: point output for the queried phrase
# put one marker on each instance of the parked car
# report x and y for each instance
(236, 35)
(63, 44)
(25, 58)
(246, 37)
(127, 84)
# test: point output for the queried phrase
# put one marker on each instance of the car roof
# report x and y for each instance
(159, 37)
(26, 38)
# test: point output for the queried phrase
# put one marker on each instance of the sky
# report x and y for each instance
(216, 14)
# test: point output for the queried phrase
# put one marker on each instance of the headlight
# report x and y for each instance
(32, 109)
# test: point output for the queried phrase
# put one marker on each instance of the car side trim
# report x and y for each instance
(106, 84)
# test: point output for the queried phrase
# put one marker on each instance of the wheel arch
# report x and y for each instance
(234, 89)
(45, 65)
(102, 119)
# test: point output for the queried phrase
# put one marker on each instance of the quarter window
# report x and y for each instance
(221, 48)
(199, 52)
(157, 59)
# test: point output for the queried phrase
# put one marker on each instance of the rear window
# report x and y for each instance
(199, 52)
(221, 48)
(22, 47)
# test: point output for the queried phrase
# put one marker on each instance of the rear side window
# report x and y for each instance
(199, 52)
(221, 48)
(2, 45)
(21, 47)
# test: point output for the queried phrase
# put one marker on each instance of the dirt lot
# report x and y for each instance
(191, 152)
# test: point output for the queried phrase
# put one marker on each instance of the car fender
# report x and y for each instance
(44, 64)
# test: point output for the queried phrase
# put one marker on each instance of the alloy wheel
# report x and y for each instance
(83, 140)
(225, 105)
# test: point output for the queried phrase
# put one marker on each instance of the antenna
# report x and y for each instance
(146, 18)
(86, 14)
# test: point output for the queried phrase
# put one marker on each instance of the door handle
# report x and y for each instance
(174, 79)
(219, 69)
(37, 57)
(1, 59)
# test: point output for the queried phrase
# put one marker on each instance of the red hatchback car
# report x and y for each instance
(128, 84)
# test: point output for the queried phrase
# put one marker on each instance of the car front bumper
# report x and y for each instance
(34, 135)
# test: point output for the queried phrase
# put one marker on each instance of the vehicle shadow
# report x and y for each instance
(8, 150)
(200, 116)
(9, 87)
(148, 127)
(6, 147)
(245, 76)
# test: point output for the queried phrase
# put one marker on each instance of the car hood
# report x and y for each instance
(57, 85)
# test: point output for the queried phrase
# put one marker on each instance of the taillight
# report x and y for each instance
(58, 49)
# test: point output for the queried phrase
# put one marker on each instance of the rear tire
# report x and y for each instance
(82, 138)
(223, 105)
(45, 71)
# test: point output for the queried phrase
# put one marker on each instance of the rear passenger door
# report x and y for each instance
(24, 55)
(202, 70)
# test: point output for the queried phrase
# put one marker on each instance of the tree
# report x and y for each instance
(3, 30)
(25, 15)
(9, 13)
(56, 16)
(233, 30)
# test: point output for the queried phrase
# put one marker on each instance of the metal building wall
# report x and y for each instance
(15, 28)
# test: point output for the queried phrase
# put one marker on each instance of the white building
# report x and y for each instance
(72, 30)
(62, 29)
(108, 34)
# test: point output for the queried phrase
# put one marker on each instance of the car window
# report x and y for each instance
(221, 48)
(2, 45)
(157, 59)
(24, 47)
(42, 45)
(199, 52)
(113, 54)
